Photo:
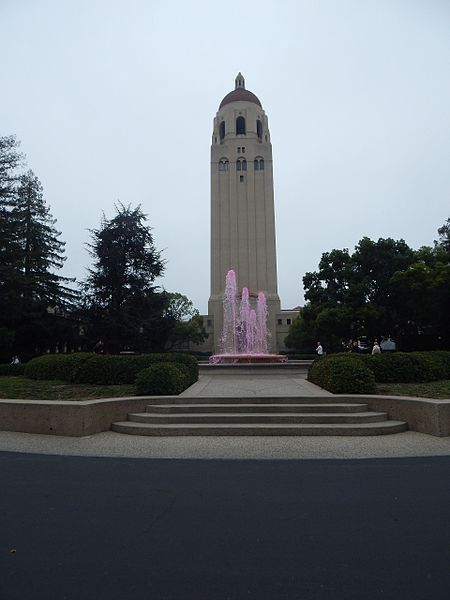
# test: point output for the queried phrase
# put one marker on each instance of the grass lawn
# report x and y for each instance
(432, 389)
(29, 389)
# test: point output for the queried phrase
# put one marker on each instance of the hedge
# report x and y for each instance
(164, 378)
(408, 367)
(103, 369)
(10, 369)
(56, 366)
(342, 374)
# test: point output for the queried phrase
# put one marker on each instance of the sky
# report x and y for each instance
(113, 101)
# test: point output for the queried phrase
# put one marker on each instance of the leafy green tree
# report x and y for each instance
(187, 323)
(421, 294)
(302, 333)
(383, 287)
(444, 237)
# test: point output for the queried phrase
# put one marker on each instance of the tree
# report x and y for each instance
(32, 253)
(421, 295)
(126, 262)
(121, 301)
(10, 160)
(444, 237)
(382, 288)
(187, 323)
(42, 252)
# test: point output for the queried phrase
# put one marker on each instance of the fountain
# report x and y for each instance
(245, 336)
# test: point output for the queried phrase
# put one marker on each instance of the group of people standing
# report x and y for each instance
(352, 346)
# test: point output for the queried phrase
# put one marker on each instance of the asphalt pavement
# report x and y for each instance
(82, 528)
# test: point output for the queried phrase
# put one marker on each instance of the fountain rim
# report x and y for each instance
(250, 358)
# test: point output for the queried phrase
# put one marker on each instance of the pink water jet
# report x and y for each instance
(245, 335)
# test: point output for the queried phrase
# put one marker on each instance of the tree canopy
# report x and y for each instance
(383, 288)
(123, 307)
(31, 253)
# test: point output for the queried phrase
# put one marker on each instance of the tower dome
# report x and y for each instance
(240, 94)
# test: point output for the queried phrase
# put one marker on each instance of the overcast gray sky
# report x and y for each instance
(114, 100)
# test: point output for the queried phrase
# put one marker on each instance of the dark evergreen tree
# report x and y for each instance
(10, 160)
(29, 286)
(41, 252)
(123, 305)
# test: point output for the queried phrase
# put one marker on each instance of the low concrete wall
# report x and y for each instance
(67, 417)
(87, 417)
(422, 414)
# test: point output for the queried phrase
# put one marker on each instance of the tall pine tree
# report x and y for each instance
(31, 254)
(10, 160)
(123, 306)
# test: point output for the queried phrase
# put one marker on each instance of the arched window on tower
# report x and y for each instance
(258, 164)
(259, 129)
(241, 164)
(240, 126)
(222, 130)
(223, 164)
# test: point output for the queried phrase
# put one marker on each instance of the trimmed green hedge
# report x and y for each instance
(103, 369)
(342, 374)
(9, 369)
(56, 366)
(162, 379)
(408, 367)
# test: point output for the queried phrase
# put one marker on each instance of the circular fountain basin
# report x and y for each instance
(235, 359)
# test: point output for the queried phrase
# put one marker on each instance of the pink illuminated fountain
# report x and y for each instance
(245, 336)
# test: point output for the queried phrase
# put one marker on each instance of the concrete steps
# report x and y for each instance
(256, 430)
(179, 416)
(242, 408)
(263, 418)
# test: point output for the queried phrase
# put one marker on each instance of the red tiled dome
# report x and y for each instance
(240, 95)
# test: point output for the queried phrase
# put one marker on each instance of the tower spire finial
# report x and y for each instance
(239, 81)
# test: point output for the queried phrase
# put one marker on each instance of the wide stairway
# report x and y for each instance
(262, 416)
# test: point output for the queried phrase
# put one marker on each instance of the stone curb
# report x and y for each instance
(86, 417)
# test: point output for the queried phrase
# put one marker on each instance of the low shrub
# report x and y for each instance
(56, 366)
(162, 379)
(189, 361)
(104, 369)
(408, 367)
(438, 364)
(8, 370)
(342, 374)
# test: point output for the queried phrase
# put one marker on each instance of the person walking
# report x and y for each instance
(376, 348)
(319, 349)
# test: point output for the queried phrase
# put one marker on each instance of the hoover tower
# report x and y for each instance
(242, 206)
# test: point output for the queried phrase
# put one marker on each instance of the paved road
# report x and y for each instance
(105, 528)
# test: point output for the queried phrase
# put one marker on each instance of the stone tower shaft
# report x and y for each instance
(242, 203)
